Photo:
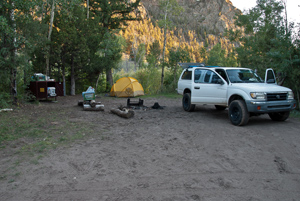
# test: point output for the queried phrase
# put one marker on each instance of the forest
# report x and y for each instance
(86, 43)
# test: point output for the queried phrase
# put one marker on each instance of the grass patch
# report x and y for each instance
(30, 132)
(35, 131)
(56, 137)
(295, 114)
(3, 177)
(37, 147)
(15, 127)
(35, 160)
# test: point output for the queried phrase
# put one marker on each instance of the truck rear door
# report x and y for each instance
(208, 88)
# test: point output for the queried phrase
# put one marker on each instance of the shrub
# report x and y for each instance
(5, 100)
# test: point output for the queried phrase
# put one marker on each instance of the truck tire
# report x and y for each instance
(238, 113)
(186, 103)
(279, 116)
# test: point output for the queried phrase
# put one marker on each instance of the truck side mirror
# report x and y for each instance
(270, 76)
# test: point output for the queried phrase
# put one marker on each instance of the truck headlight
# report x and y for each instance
(258, 95)
(290, 95)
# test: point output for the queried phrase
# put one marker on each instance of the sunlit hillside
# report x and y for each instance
(200, 26)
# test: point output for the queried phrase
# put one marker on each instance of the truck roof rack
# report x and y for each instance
(191, 65)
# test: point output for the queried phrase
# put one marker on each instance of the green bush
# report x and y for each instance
(170, 81)
(5, 100)
(149, 79)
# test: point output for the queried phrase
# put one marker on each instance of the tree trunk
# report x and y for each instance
(285, 20)
(49, 37)
(163, 58)
(134, 52)
(164, 48)
(72, 77)
(13, 79)
(175, 73)
(51, 20)
(64, 82)
(127, 66)
(88, 9)
(59, 73)
(109, 79)
(64, 75)
(42, 13)
(14, 85)
(97, 81)
(298, 99)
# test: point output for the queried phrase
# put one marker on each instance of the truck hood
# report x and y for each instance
(260, 87)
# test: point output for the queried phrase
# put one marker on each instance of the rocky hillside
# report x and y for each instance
(202, 16)
(197, 29)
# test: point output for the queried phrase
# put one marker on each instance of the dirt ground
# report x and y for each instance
(161, 154)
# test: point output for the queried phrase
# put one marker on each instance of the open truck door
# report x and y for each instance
(270, 76)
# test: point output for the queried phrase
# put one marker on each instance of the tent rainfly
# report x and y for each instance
(127, 87)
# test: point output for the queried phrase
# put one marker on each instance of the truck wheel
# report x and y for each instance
(220, 107)
(279, 116)
(237, 113)
(186, 103)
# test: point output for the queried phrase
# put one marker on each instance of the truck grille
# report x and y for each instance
(276, 96)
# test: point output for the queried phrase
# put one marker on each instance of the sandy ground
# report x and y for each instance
(165, 154)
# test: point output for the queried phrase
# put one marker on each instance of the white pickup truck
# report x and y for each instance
(240, 89)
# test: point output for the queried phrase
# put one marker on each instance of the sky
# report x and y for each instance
(293, 7)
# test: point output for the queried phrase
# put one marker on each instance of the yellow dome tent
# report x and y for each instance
(127, 87)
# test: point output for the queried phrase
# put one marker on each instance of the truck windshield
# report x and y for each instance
(243, 76)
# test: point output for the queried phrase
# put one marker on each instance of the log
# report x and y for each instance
(6, 110)
(87, 107)
(125, 113)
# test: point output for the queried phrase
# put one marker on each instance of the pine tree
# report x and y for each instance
(112, 15)
(15, 18)
(268, 42)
